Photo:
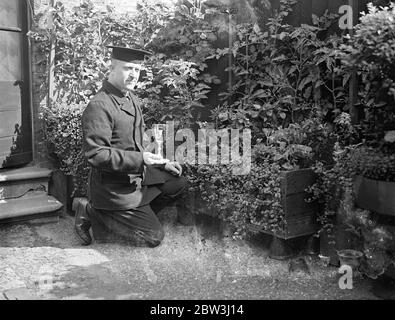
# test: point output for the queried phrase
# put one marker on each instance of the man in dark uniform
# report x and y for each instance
(127, 186)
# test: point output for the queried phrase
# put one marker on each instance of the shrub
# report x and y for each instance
(288, 82)
(282, 73)
(371, 51)
(255, 198)
(373, 164)
(63, 133)
(334, 189)
(360, 148)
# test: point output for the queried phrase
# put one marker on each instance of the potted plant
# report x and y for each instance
(375, 180)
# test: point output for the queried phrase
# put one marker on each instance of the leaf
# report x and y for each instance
(292, 70)
(256, 28)
(266, 83)
(307, 93)
(318, 83)
(280, 58)
(346, 78)
(304, 82)
(254, 114)
(259, 94)
(282, 35)
(390, 136)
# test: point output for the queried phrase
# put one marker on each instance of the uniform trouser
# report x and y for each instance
(142, 223)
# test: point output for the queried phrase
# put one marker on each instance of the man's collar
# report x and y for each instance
(118, 95)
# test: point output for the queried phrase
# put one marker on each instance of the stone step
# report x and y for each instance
(36, 205)
(16, 183)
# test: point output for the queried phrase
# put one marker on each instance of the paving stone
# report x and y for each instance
(9, 279)
(19, 294)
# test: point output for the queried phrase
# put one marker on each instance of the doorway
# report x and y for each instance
(15, 109)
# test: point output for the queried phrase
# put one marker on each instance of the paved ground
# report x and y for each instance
(47, 262)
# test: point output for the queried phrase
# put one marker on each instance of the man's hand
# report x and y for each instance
(151, 159)
(174, 168)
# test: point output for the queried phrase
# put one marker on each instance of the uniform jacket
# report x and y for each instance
(113, 144)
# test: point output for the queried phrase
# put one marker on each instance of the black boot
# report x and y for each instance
(186, 209)
(82, 223)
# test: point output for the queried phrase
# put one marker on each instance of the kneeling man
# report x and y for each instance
(127, 186)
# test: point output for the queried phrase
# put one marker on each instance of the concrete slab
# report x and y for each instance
(39, 205)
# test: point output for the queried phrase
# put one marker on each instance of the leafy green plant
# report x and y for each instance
(240, 200)
(283, 73)
(373, 163)
(360, 148)
(333, 183)
(255, 199)
(370, 51)
(334, 189)
(180, 79)
(63, 133)
(288, 82)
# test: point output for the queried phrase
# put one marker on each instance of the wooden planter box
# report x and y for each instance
(375, 195)
(300, 216)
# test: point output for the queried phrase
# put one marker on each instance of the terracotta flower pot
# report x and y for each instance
(350, 257)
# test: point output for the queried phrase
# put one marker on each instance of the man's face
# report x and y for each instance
(125, 75)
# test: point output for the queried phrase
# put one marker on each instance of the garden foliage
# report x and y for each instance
(290, 88)
(366, 148)
(371, 52)
(287, 83)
